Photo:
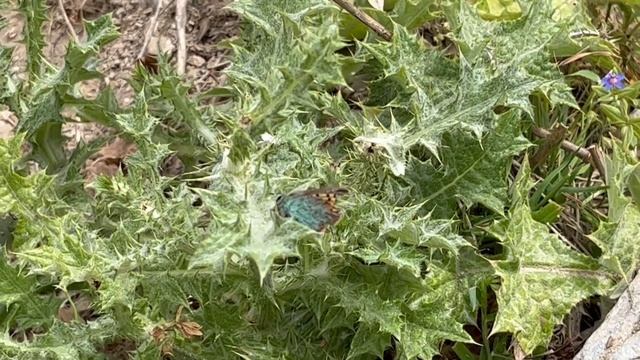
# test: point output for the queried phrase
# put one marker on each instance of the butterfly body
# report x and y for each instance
(315, 208)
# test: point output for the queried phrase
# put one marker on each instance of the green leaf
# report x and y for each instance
(368, 340)
(548, 214)
(499, 69)
(62, 342)
(618, 171)
(42, 120)
(472, 168)
(516, 51)
(618, 242)
(634, 184)
(303, 35)
(542, 278)
(176, 92)
(66, 258)
(207, 247)
(47, 93)
(587, 74)
(50, 247)
(8, 88)
(32, 200)
(499, 9)
(35, 14)
(48, 146)
(397, 236)
(417, 320)
(18, 293)
(244, 199)
(412, 14)
(392, 143)
(614, 114)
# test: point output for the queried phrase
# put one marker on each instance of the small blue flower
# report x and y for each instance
(613, 80)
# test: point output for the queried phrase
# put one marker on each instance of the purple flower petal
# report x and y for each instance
(613, 80)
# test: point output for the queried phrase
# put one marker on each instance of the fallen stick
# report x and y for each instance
(150, 30)
(72, 31)
(591, 156)
(181, 23)
(365, 19)
(580, 152)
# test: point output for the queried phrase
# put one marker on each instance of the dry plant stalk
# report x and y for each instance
(72, 31)
(181, 23)
(151, 29)
(365, 19)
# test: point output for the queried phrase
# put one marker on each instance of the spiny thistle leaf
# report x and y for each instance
(7, 86)
(201, 266)
(542, 278)
(243, 199)
(48, 92)
(516, 51)
(31, 199)
(472, 169)
(412, 14)
(304, 36)
(368, 340)
(617, 237)
(35, 15)
(42, 119)
(389, 234)
(420, 316)
(19, 298)
(391, 142)
(620, 250)
(618, 171)
(447, 96)
(62, 342)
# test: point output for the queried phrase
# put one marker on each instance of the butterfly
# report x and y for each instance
(315, 208)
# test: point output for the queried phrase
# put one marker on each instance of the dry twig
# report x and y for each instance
(597, 158)
(72, 31)
(580, 152)
(591, 156)
(556, 135)
(181, 23)
(365, 19)
(150, 30)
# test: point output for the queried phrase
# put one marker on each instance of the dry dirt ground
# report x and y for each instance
(207, 23)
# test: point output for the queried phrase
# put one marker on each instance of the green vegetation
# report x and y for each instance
(460, 225)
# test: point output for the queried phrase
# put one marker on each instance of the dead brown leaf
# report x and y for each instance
(8, 122)
(108, 161)
(79, 310)
(167, 350)
(172, 166)
(159, 334)
(189, 329)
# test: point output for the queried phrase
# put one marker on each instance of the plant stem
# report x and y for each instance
(582, 153)
(365, 19)
(72, 31)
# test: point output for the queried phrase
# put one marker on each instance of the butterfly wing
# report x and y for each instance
(313, 208)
